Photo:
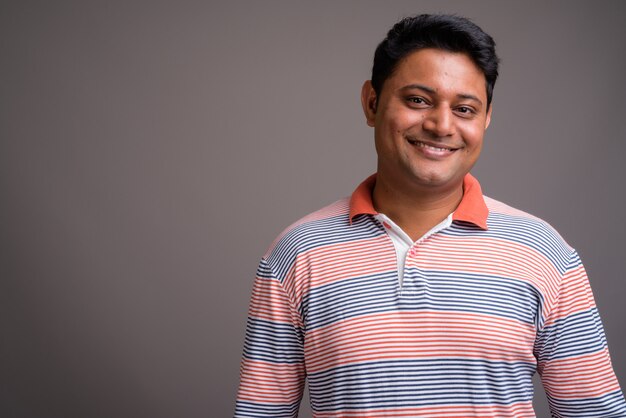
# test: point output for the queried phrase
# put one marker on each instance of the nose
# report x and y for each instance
(440, 122)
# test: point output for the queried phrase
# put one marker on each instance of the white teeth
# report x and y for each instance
(421, 144)
(435, 148)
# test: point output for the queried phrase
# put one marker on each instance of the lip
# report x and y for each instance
(432, 149)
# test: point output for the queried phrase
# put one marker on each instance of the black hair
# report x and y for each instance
(441, 31)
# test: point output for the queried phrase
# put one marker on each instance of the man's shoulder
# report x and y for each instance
(314, 229)
(328, 228)
(509, 222)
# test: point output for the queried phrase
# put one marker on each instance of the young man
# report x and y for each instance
(418, 296)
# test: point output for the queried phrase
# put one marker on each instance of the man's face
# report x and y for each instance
(429, 120)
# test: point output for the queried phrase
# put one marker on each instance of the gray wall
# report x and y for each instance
(151, 151)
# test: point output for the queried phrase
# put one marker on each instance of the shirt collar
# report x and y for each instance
(472, 207)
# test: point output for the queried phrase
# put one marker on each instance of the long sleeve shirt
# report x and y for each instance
(484, 302)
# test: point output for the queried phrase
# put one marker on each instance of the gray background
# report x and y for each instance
(151, 151)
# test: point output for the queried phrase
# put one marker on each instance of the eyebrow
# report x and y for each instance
(433, 91)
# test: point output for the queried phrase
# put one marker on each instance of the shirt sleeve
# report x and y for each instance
(272, 374)
(572, 353)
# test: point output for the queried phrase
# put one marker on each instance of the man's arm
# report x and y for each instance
(573, 357)
(272, 372)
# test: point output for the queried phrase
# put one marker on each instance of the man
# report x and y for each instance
(418, 296)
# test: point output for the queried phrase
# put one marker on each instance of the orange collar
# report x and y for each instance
(471, 209)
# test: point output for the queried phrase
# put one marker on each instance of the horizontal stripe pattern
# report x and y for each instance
(479, 312)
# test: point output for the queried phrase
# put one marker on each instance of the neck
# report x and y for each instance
(415, 210)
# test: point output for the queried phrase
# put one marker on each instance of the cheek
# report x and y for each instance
(408, 123)
(473, 135)
(398, 120)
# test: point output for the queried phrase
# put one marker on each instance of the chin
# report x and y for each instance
(434, 180)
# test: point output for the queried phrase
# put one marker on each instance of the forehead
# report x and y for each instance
(442, 71)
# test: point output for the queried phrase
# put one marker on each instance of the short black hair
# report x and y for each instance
(441, 31)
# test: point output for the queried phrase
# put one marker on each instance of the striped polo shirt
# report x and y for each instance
(484, 302)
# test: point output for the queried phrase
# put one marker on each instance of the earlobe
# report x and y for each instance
(368, 101)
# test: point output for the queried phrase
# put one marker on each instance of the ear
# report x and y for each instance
(369, 102)
(488, 118)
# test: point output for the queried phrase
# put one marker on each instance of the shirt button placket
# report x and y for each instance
(412, 283)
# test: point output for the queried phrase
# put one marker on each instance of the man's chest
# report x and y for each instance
(455, 299)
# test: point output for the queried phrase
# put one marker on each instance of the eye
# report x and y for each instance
(465, 110)
(417, 101)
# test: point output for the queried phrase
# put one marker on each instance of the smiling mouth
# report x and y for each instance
(431, 147)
